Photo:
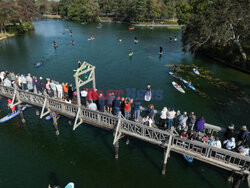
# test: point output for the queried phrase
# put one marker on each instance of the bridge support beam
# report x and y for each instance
(167, 152)
(117, 149)
(55, 118)
(21, 113)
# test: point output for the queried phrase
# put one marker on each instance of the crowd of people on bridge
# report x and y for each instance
(187, 125)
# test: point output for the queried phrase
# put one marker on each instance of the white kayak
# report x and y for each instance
(148, 96)
(196, 71)
(178, 87)
(10, 116)
(92, 39)
(70, 185)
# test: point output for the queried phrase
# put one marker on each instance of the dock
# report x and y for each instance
(169, 141)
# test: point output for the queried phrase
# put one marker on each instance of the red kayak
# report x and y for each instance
(131, 28)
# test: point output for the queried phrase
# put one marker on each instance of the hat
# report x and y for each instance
(185, 113)
(244, 127)
(172, 108)
(231, 126)
(165, 109)
(41, 78)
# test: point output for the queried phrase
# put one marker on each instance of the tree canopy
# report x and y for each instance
(16, 12)
(220, 27)
(124, 10)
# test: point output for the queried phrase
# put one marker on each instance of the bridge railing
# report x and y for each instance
(199, 149)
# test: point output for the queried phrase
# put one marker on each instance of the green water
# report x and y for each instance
(31, 154)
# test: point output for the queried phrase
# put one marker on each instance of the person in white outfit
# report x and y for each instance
(29, 82)
(163, 117)
(59, 91)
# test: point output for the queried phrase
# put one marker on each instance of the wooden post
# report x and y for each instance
(37, 112)
(21, 113)
(55, 122)
(117, 149)
(127, 141)
(166, 152)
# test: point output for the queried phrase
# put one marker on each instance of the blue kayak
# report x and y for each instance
(38, 65)
(70, 185)
(49, 117)
(172, 74)
(189, 85)
(188, 159)
(10, 116)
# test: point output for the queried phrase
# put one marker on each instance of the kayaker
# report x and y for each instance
(175, 38)
(170, 38)
(13, 109)
(175, 69)
(130, 50)
(72, 42)
(91, 37)
(161, 49)
(79, 63)
(136, 40)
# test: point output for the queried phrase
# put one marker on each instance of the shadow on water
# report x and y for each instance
(53, 179)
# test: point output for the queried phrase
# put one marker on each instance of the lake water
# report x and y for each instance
(31, 154)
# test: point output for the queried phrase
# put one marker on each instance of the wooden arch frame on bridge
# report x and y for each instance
(83, 69)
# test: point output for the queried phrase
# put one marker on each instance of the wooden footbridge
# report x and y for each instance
(168, 140)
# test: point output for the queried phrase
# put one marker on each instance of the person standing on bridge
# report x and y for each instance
(110, 99)
(170, 117)
(163, 117)
(242, 136)
(70, 92)
(65, 88)
(59, 89)
(101, 102)
(183, 119)
(29, 82)
(92, 106)
(230, 144)
(199, 125)
(137, 106)
(84, 95)
(191, 120)
(117, 106)
(95, 96)
(127, 108)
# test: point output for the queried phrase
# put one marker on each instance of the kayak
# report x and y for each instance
(178, 87)
(10, 116)
(92, 39)
(131, 28)
(160, 53)
(196, 71)
(148, 96)
(130, 54)
(38, 65)
(188, 159)
(136, 41)
(70, 185)
(83, 68)
(172, 74)
(187, 84)
(49, 117)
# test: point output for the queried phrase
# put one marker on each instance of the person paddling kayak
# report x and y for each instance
(72, 42)
(161, 50)
(136, 40)
(130, 52)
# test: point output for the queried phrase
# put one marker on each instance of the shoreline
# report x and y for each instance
(143, 25)
(5, 36)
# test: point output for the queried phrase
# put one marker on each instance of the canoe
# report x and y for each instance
(131, 54)
(172, 74)
(196, 71)
(178, 87)
(187, 84)
(188, 159)
(148, 96)
(70, 185)
(10, 116)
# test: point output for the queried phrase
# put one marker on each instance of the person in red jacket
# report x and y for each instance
(127, 108)
(13, 109)
(95, 96)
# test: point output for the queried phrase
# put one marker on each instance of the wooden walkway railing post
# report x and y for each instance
(117, 136)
